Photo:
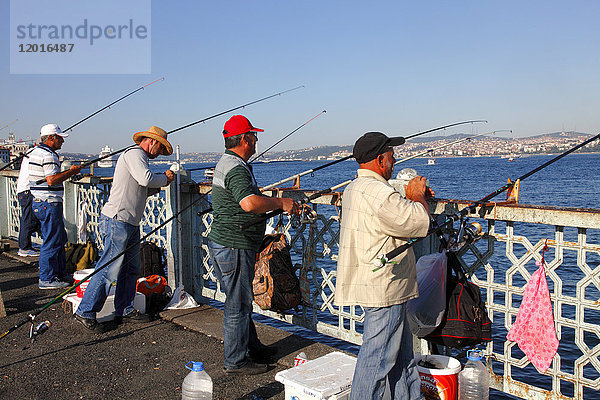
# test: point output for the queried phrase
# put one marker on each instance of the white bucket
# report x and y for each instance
(441, 382)
(78, 276)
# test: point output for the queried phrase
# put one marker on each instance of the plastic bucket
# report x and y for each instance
(440, 381)
(78, 276)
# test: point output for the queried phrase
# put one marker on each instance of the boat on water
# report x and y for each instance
(431, 161)
(108, 162)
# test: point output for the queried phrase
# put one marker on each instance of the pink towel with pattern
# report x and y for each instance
(533, 329)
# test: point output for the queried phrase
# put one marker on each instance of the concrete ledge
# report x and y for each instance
(209, 321)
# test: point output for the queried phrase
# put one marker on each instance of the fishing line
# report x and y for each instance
(194, 123)
(85, 119)
(275, 144)
(7, 125)
(318, 194)
(329, 164)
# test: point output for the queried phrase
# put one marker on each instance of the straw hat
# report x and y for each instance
(154, 132)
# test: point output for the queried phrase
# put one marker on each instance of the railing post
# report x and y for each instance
(4, 206)
(70, 211)
(187, 261)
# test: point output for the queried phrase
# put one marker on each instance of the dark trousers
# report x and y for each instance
(29, 223)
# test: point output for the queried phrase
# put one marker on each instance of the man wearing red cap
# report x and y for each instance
(376, 219)
(236, 199)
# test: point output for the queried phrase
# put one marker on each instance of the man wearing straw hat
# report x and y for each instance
(119, 228)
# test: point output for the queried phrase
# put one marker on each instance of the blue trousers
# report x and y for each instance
(386, 354)
(117, 236)
(29, 223)
(235, 270)
(52, 253)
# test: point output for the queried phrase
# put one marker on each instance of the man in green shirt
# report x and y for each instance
(237, 199)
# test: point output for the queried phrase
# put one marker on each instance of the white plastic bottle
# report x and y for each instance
(197, 385)
(474, 379)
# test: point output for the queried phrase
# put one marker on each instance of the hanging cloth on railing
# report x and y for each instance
(533, 329)
(82, 221)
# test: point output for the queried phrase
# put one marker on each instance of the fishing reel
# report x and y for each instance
(35, 331)
(77, 177)
(466, 234)
(307, 216)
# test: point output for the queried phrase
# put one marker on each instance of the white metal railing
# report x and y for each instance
(501, 263)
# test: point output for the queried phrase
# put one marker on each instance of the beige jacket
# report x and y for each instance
(375, 220)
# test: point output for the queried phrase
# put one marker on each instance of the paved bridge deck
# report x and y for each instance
(130, 361)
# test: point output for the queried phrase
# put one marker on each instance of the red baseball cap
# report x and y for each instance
(238, 125)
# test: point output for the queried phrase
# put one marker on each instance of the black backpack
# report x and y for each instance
(466, 322)
(152, 260)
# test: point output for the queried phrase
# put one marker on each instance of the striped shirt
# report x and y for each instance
(233, 181)
(43, 162)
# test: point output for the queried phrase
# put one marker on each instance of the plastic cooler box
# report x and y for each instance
(328, 377)
(108, 311)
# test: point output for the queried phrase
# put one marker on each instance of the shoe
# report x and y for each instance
(55, 283)
(250, 368)
(131, 315)
(263, 353)
(89, 323)
(28, 253)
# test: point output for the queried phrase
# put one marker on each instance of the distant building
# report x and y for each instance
(5, 154)
(15, 148)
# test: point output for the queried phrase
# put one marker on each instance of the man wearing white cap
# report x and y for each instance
(46, 186)
(119, 228)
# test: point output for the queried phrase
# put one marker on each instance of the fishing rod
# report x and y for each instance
(7, 125)
(192, 124)
(286, 136)
(113, 103)
(449, 144)
(85, 119)
(316, 195)
(383, 259)
(31, 317)
(329, 164)
(275, 144)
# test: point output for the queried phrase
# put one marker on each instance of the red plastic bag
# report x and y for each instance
(151, 284)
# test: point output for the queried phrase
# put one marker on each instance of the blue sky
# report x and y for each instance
(393, 66)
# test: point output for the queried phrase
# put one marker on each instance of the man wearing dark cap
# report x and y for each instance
(236, 199)
(376, 219)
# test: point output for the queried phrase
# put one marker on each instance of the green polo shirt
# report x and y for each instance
(233, 181)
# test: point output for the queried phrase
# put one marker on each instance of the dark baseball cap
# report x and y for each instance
(372, 144)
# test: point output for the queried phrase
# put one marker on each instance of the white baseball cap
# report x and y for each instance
(52, 129)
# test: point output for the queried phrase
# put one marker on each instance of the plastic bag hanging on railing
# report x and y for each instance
(426, 312)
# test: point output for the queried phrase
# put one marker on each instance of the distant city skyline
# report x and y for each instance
(395, 67)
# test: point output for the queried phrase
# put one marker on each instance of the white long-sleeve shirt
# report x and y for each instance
(131, 182)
